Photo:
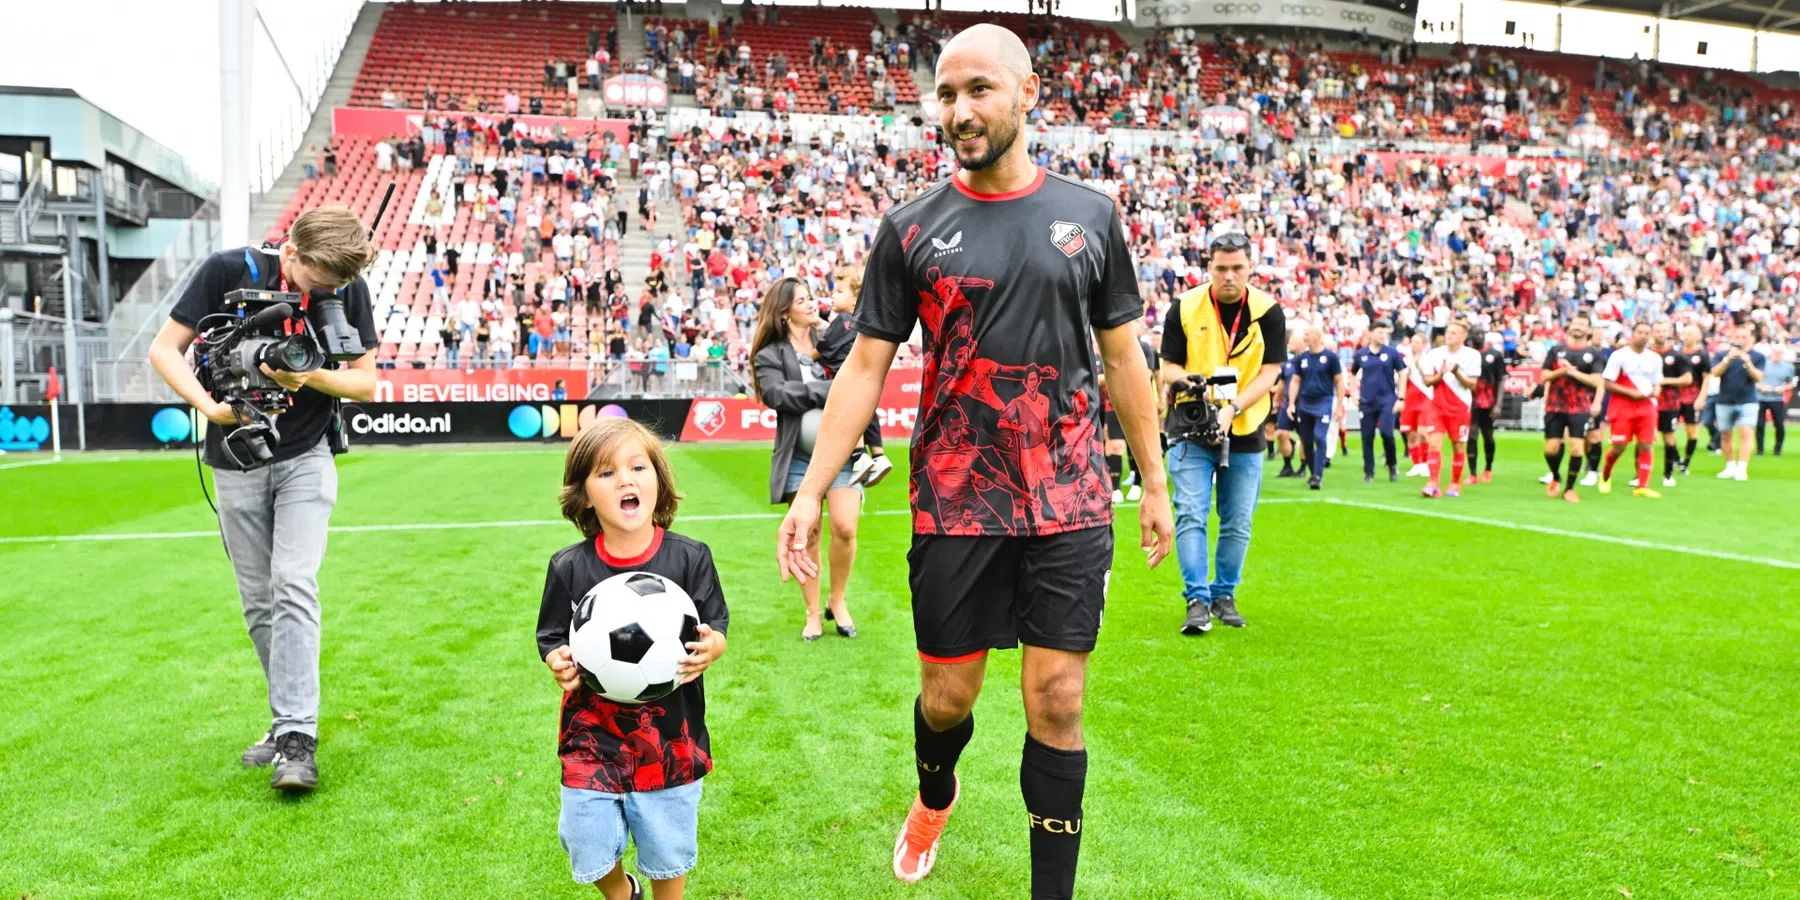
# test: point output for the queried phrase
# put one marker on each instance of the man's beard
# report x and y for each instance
(998, 143)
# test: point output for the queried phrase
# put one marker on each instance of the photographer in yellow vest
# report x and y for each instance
(1222, 331)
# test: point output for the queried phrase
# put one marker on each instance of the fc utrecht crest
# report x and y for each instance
(709, 416)
(1068, 237)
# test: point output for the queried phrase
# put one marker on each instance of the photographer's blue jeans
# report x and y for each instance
(1192, 470)
(274, 521)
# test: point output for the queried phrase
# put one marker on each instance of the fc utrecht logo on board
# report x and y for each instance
(954, 245)
(1068, 237)
(709, 416)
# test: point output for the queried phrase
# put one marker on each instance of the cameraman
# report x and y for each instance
(1223, 323)
(274, 517)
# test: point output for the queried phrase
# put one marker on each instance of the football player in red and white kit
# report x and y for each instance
(1451, 371)
(1634, 374)
(1417, 417)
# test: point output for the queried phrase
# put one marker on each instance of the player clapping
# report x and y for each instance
(1450, 371)
(1633, 375)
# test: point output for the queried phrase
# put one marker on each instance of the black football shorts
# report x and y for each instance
(971, 594)
(1667, 418)
(1576, 424)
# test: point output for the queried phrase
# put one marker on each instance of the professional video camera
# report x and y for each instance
(288, 331)
(1194, 405)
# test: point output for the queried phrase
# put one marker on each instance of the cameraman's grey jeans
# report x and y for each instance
(274, 520)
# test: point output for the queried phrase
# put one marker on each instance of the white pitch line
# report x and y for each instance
(1559, 532)
(34, 462)
(418, 526)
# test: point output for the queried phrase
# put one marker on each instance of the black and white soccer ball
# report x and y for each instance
(629, 633)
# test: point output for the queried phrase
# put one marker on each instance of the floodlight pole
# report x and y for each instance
(236, 40)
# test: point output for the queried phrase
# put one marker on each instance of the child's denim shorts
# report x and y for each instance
(665, 825)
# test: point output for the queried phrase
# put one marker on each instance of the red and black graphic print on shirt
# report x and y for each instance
(647, 760)
(993, 461)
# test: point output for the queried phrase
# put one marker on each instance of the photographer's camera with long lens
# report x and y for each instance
(1194, 405)
(285, 330)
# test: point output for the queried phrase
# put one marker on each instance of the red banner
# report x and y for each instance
(1521, 379)
(379, 123)
(457, 386)
(1503, 166)
(732, 419)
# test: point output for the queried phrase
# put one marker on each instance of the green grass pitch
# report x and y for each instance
(1499, 696)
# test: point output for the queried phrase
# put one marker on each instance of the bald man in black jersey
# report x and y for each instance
(1007, 269)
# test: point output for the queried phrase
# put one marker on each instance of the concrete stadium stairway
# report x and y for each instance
(266, 209)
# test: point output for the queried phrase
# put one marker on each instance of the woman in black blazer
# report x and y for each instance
(787, 378)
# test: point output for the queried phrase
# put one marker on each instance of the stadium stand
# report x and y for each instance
(475, 50)
(1343, 237)
(835, 32)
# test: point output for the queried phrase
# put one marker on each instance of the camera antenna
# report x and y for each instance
(381, 210)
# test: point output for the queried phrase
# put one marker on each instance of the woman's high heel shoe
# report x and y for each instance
(848, 631)
(810, 636)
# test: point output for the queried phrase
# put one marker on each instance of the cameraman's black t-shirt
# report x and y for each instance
(304, 423)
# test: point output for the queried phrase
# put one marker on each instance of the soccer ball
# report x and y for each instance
(629, 633)
(809, 428)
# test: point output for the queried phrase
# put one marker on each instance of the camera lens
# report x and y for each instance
(294, 353)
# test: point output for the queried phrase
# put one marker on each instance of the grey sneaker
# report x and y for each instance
(1226, 609)
(1199, 618)
(261, 753)
(296, 768)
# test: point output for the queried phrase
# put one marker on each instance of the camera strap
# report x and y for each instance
(1231, 335)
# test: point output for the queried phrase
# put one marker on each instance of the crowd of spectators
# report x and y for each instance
(1696, 223)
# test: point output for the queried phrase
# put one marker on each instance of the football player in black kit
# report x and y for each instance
(1007, 268)
(1677, 377)
(1486, 399)
(1571, 378)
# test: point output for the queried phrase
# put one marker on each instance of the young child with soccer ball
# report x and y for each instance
(629, 770)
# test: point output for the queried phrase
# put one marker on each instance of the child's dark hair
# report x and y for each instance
(599, 444)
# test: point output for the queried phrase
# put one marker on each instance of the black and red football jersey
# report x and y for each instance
(1007, 289)
(1566, 395)
(617, 747)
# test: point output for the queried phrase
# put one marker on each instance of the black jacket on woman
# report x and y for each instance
(778, 378)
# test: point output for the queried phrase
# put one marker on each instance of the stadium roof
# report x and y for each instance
(1767, 15)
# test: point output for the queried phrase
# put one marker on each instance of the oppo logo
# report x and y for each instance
(1301, 10)
(1361, 18)
(1229, 9)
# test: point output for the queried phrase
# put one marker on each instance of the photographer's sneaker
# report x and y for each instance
(1225, 609)
(879, 470)
(261, 753)
(1199, 618)
(296, 768)
(1591, 479)
(1547, 478)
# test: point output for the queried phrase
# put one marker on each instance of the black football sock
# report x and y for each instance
(1669, 460)
(935, 754)
(1052, 781)
(1574, 471)
(1554, 461)
(1687, 458)
(1593, 457)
